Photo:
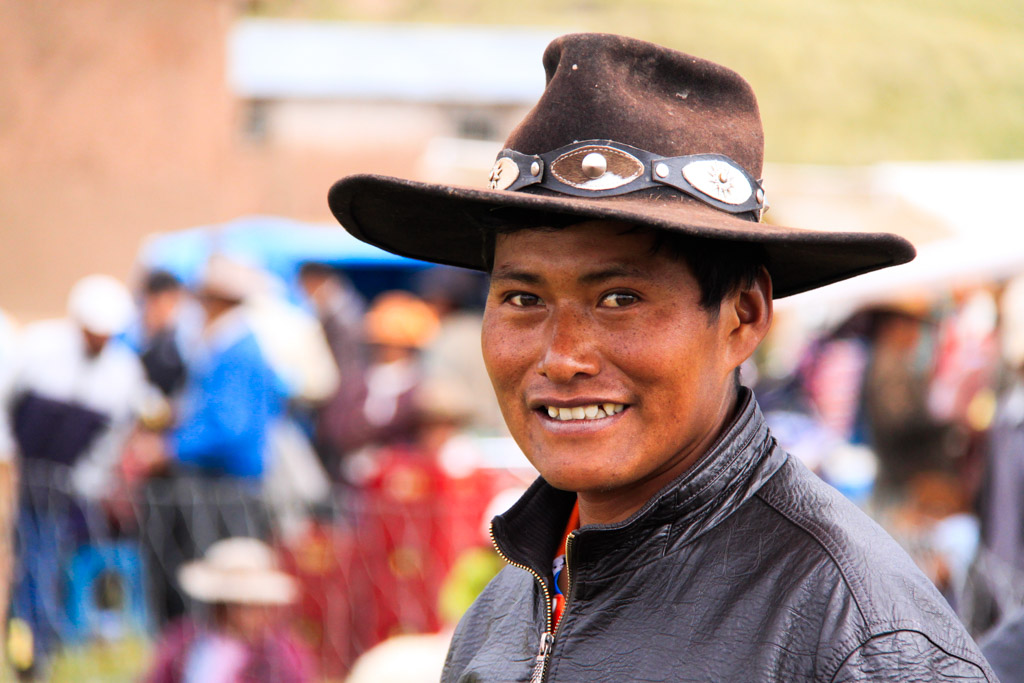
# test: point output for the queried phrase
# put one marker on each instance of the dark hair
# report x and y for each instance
(159, 281)
(720, 267)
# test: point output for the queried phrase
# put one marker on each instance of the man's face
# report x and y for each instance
(94, 343)
(590, 320)
(160, 309)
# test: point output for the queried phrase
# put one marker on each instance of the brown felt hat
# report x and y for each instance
(628, 131)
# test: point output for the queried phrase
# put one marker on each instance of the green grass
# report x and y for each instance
(839, 81)
(121, 661)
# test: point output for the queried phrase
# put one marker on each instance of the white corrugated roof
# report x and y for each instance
(280, 59)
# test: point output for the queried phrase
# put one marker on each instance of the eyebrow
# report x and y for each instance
(618, 270)
(515, 274)
(512, 273)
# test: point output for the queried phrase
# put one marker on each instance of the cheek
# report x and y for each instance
(503, 352)
(670, 367)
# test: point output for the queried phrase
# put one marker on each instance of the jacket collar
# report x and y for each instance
(737, 465)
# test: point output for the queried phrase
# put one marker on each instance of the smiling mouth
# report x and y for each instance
(595, 411)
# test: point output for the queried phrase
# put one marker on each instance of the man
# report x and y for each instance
(157, 336)
(340, 308)
(71, 396)
(209, 469)
(630, 279)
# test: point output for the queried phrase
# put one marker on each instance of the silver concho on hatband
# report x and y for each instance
(718, 179)
(603, 168)
(503, 174)
(597, 167)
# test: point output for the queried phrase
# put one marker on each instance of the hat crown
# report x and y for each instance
(608, 87)
(100, 304)
(625, 131)
(240, 555)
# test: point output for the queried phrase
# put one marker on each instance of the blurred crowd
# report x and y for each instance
(913, 409)
(333, 454)
(149, 428)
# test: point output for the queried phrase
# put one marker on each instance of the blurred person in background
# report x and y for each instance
(424, 498)
(457, 296)
(72, 396)
(244, 636)
(432, 512)
(8, 475)
(398, 326)
(868, 381)
(232, 393)
(206, 473)
(296, 347)
(340, 309)
(158, 336)
(1004, 648)
(997, 577)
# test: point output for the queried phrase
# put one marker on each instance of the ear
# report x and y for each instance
(747, 317)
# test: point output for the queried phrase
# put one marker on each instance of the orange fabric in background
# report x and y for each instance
(574, 523)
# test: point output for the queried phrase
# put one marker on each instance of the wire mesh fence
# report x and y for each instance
(374, 561)
(370, 562)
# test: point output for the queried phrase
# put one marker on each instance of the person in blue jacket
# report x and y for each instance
(233, 395)
(211, 464)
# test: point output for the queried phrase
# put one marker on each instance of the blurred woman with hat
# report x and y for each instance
(242, 641)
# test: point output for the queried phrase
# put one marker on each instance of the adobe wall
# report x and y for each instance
(115, 122)
(111, 126)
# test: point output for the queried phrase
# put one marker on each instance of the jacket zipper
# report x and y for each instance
(538, 676)
(547, 639)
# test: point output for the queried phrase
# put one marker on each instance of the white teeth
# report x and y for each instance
(591, 412)
(613, 409)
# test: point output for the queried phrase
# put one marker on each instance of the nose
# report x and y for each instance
(569, 352)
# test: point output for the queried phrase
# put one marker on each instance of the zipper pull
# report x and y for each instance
(547, 640)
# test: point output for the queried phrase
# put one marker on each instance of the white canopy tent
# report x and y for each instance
(975, 208)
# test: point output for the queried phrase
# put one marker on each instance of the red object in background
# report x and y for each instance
(381, 575)
(322, 562)
(416, 521)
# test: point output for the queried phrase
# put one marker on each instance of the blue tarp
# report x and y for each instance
(280, 245)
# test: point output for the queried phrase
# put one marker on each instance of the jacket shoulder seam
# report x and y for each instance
(896, 629)
(821, 538)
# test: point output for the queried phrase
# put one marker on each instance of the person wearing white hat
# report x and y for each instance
(243, 638)
(71, 396)
(214, 457)
(232, 393)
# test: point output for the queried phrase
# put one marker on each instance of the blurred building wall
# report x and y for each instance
(117, 120)
(112, 124)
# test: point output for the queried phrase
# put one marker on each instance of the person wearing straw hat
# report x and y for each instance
(668, 536)
(71, 394)
(243, 639)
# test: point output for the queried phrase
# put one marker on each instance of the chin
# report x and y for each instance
(581, 479)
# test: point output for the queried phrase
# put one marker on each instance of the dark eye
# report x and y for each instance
(618, 300)
(523, 300)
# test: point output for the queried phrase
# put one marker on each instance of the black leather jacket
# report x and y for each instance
(746, 568)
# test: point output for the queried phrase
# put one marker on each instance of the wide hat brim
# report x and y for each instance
(213, 585)
(450, 225)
